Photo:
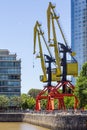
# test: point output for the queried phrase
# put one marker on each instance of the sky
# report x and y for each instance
(17, 20)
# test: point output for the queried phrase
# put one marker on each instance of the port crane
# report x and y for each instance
(69, 68)
(48, 75)
(72, 67)
(60, 75)
(38, 33)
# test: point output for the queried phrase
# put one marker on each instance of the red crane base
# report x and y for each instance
(50, 93)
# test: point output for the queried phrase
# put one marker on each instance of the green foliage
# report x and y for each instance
(15, 101)
(43, 104)
(31, 102)
(56, 103)
(4, 101)
(81, 86)
(83, 72)
(24, 103)
(27, 102)
(34, 92)
(69, 102)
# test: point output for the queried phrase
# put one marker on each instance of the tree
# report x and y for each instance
(4, 101)
(43, 104)
(69, 102)
(15, 101)
(24, 103)
(27, 102)
(81, 86)
(34, 92)
(31, 102)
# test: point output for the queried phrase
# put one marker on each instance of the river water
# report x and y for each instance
(19, 126)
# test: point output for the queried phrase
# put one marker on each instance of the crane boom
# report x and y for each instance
(37, 32)
(50, 19)
(52, 11)
(41, 33)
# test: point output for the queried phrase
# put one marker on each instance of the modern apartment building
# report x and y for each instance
(79, 30)
(10, 74)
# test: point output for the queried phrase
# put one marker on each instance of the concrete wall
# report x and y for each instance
(52, 121)
(11, 117)
(58, 121)
(44, 120)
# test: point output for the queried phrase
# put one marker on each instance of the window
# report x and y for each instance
(3, 83)
(15, 83)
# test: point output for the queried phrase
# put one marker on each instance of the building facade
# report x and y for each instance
(10, 74)
(79, 30)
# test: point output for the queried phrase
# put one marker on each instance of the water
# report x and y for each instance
(19, 126)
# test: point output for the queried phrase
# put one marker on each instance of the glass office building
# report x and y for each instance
(10, 74)
(79, 30)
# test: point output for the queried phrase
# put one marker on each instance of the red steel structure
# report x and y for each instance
(54, 93)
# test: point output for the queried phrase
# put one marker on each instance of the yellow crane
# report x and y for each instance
(38, 34)
(72, 67)
(50, 18)
(51, 14)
